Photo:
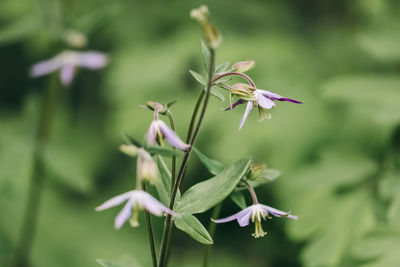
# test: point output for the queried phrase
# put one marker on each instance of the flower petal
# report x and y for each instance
(240, 101)
(45, 67)
(151, 134)
(67, 74)
(93, 60)
(264, 101)
(171, 136)
(243, 217)
(246, 113)
(274, 96)
(125, 214)
(115, 201)
(153, 205)
(278, 213)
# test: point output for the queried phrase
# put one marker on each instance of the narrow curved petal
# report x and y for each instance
(278, 213)
(171, 136)
(237, 216)
(274, 96)
(93, 60)
(45, 67)
(67, 74)
(115, 201)
(125, 214)
(246, 113)
(153, 205)
(264, 101)
(151, 134)
(234, 105)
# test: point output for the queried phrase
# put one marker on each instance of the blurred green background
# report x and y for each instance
(339, 152)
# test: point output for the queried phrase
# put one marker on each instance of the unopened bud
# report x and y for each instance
(243, 66)
(244, 91)
(146, 169)
(256, 171)
(213, 36)
(75, 38)
(130, 150)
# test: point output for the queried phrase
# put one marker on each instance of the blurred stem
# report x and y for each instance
(252, 192)
(194, 115)
(165, 244)
(173, 161)
(24, 246)
(211, 230)
(150, 233)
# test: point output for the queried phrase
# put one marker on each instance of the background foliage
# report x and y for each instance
(339, 152)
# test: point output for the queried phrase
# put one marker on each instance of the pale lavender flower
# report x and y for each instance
(255, 212)
(262, 99)
(67, 62)
(158, 128)
(136, 200)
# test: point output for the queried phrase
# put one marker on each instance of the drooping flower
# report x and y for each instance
(158, 129)
(67, 62)
(136, 200)
(255, 212)
(254, 97)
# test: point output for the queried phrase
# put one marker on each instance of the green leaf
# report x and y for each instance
(130, 140)
(206, 56)
(205, 195)
(217, 94)
(198, 77)
(222, 67)
(107, 263)
(193, 227)
(213, 166)
(163, 185)
(239, 199)
(171, 103)
(163, 151)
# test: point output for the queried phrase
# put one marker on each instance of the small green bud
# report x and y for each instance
(130, 150)
(213, 36)
(256, 171)
(243, 66)
(75, 38)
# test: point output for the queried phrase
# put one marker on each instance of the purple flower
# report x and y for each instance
(255, 212)
(158, 128)
(136, 200)
(67, 62)
(256, 98)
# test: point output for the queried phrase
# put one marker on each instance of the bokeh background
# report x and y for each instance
(339, 153)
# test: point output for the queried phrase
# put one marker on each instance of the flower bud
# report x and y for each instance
(130, 150)
(213, 36)
(244, 91)
(146, 167)
(243, 66)
(255, 171)
(75, 38)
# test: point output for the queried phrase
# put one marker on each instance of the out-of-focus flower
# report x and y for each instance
(213, 36)
(255, 212)
(158, 129)
(136, 200)
(67, 62)
(146, 167)
(262, 99)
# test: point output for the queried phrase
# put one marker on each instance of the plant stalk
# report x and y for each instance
(150, 233)
(211, 230)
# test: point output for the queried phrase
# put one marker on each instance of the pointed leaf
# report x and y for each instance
(217, 94)
(198, 77)
(222, 67)
(163, 185)
(213, 166)
(239, 199)
(173, 102)
(107, 263)
(205, 195)
(206, 56)
(193, 227)
(163, 151)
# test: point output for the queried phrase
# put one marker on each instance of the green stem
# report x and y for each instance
(150, 233)
(168, 221)
(211, 230)
(173, 160)
(194, 116)
(24, 246)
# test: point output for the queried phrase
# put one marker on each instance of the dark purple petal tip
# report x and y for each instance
(289, 100)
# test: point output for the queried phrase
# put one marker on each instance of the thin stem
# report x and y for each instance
(24, 246)
(173, 160)
(194, 115)
(150, 233)
(168, 221)
(237, 74)
(252, 192)
(211, 230)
